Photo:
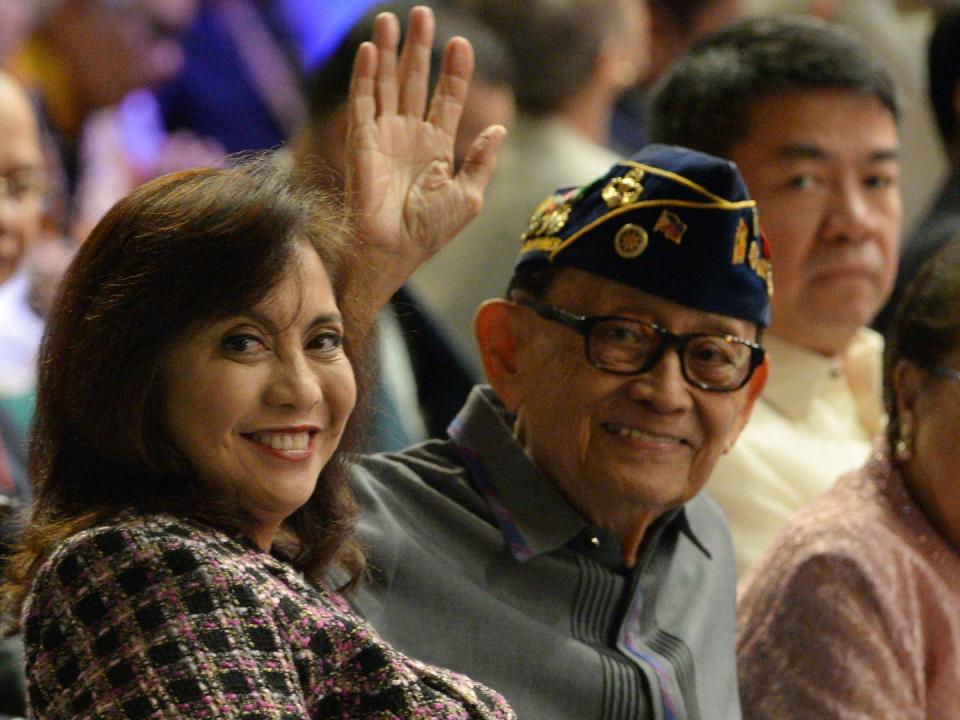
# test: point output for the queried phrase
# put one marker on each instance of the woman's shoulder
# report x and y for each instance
(838, 522)
(134, 549)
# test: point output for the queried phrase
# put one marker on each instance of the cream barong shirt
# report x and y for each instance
(814, 421)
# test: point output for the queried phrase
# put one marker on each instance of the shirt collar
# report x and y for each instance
(799, 375)
(534, 517)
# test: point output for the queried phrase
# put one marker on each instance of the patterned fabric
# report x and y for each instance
(855, 612)
(158, 617)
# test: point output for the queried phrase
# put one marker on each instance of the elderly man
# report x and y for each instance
(556, 545)
(810, 117)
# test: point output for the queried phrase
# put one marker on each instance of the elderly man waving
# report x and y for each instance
(555, 545)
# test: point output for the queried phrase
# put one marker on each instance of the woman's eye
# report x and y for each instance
(243, 344)
(327, 341)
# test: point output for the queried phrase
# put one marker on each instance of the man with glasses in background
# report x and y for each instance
(21, 211)
(21, 208)
(556, 545)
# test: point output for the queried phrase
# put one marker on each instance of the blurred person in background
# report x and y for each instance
(573, 60)
(675, 26)
(84, 55)
(855, 610)
(240, 82)
(942, 220)
(22, 184)
(82, 62)
(22, 180)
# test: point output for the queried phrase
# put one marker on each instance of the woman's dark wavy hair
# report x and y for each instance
(181, 251)
(926, 324)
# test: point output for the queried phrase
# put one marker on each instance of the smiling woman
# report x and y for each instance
(133, 387)
(195, 391)
(259, 400)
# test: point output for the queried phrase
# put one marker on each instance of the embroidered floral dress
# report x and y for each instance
(855, 611)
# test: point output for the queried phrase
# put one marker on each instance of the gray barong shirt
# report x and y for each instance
(479, 564)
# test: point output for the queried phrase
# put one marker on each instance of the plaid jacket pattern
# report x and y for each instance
(158, 617)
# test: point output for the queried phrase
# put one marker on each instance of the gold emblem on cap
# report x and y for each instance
(740, 245)
(671, 226)
(623, 190)
(548, 219)
(765, 271)
(761, 266)
(630, 241)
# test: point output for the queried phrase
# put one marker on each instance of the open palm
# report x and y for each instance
(402, 191)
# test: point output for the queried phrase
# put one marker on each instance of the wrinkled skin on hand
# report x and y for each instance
(402, 193)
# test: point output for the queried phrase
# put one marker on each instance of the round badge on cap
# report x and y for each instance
(630, 241)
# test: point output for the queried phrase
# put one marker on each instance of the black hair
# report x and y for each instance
(703, 100)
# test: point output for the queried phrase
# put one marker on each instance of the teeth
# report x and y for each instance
(283, 441)
(633, 433)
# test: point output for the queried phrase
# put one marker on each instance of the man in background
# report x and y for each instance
(21, 202)
(810, 117)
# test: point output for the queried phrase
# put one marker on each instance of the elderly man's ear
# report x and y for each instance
(496, 328)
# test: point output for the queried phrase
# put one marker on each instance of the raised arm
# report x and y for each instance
(402, 192)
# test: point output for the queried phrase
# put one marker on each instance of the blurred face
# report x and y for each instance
(635, 36)
(17, 18)
(620, 448)
(822, 165)
(20, 167)
(931, 406)
(116, 46)
(669, 40)
(257, 402)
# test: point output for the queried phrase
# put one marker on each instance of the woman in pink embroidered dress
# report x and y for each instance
(855, 611)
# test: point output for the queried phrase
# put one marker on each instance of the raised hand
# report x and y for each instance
(403, 194)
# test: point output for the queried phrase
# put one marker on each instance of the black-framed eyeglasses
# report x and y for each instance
(946, 372)
(624, 346)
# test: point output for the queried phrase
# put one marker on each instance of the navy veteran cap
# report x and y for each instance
(672, 222)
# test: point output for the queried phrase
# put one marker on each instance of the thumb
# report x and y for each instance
(481, 161)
